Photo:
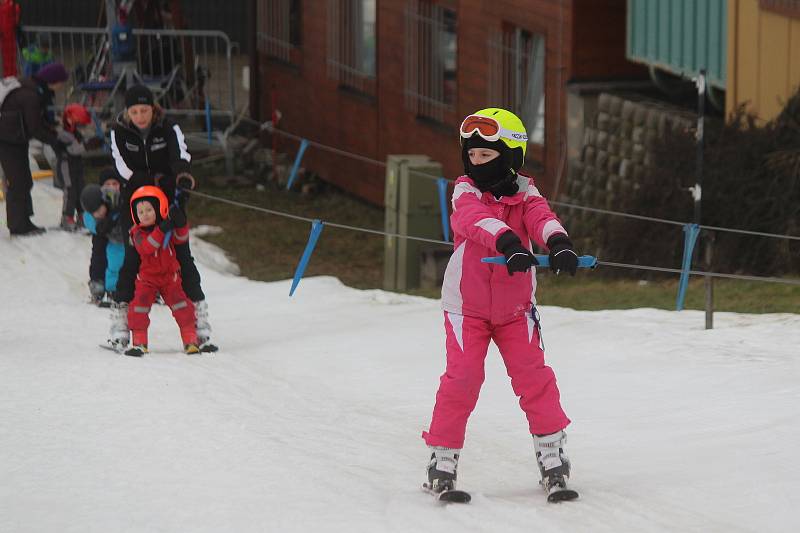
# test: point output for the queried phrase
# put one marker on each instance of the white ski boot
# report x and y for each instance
(203, 327)
(554, 466)
(119, 336)
(442, 469)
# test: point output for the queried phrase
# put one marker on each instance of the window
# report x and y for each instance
(430, 41)
(279, 28)
(516, 77)
(351, 41)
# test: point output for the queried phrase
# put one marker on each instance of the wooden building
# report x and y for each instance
(763, 55)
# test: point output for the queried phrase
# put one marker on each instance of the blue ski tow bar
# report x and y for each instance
(584, 261)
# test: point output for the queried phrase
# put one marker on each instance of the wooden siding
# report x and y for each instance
(763, 58)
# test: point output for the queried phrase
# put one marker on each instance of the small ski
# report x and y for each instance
(109, 347)
(207, 347)
(135, 352)
(560, 493)
(448, 496)
(122, 350)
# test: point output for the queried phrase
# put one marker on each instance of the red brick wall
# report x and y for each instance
(598, 40)
(378, 124)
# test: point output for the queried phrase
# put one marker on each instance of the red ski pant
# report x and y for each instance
(532, 380)
(145, 294)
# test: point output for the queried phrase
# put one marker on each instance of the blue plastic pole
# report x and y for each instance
(208, 120)
(691, 231)
(316, 229)
(441, 183)
(98, 130)
(296, 166)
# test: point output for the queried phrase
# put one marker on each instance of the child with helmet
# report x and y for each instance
(150, 149)
(497, 209)
(101, 216)
(69, 164)
(157, 229)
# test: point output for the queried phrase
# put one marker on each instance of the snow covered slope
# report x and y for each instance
(309, 419)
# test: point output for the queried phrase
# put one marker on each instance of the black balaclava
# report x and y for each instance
(496, 176)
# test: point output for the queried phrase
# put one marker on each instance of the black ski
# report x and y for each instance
(448, 496)
(134, 351)
(207, 347)
(557, 489)
(557, 494)
(109, 347)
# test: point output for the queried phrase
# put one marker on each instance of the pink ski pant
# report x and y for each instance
(532, 380)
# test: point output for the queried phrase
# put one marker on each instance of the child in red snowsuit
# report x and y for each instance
(156, 230)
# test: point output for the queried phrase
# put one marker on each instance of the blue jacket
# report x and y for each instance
(108, 254)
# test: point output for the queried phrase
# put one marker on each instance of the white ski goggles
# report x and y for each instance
(489, 128)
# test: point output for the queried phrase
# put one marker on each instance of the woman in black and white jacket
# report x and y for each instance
(150, 149)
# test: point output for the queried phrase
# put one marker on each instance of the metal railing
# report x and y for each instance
(516, 80)
(186, 69)
(430, 59)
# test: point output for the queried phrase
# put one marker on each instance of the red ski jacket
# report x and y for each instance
(158, 262)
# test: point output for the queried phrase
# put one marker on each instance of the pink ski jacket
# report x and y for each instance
(485, 290)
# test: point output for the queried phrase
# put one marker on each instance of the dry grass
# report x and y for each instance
(268, 247)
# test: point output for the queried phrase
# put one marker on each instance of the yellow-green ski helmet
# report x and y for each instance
(495, 128)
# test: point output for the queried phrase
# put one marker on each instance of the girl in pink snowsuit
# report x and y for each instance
(495, 209)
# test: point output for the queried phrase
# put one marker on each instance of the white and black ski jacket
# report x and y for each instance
(138, 160)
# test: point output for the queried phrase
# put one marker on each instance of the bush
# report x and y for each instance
(751, 181)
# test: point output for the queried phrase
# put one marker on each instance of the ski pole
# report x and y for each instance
(584, 261)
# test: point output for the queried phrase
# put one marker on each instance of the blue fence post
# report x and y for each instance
(691, 231)
(316, 229)
(98, 130)
(208, 119)
(296, 166)
(442, 184)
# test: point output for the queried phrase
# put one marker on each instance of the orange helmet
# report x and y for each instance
(154, 193)
(76, 114)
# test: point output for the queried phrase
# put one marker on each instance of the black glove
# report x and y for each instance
(93, 143)
(518, 258)
(182, 198)
(166, 226)
(177, 216)
(104, 225)
(59, 147)
(562, 255)
(184, 180)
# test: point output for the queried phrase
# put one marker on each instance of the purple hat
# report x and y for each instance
(52, 73)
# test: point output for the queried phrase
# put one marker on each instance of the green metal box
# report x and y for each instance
(412, 208)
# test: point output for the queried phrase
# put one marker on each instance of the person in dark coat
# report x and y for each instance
(23, 116)
(150, 149)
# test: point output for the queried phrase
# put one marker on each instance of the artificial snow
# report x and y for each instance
(309, 418)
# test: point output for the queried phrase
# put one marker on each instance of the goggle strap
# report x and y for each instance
(511, 135)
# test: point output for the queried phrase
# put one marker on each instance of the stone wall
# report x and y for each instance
(610, 169)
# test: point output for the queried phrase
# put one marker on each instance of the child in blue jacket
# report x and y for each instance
(101, 217)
